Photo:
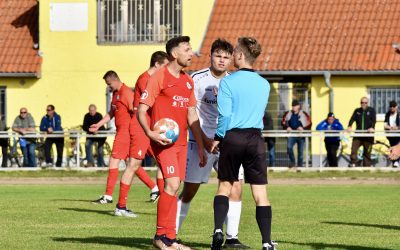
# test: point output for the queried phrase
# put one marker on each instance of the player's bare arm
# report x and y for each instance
(206, 141)
(394, 152)
(153, 135)
(95, 127)
(194, 124)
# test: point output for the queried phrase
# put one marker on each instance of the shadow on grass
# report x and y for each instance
(319, 245)
(72, 200)
(139, 243)
(391, 227)
(98, 211)
(87, 210)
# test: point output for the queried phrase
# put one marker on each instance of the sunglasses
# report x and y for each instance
(23, 112)
(364, 102)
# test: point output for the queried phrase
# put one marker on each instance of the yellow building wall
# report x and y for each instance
(73, 64)
(347, 94)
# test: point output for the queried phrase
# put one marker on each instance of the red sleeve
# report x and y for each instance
(127, 99)
(141, 84)
(153, 89)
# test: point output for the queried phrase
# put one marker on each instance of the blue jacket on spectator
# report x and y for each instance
(336, 125)
(48, 122)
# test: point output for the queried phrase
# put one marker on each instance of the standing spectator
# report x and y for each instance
(22, 125)
(331, 143)
(296, 119)
(51, 123)
(269, 125)
(365, 118)
(91, 118)
(3, 144)
(392, 124)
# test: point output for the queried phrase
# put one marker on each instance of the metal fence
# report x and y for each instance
(381, 146)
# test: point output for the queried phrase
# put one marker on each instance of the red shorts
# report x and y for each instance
(120, 149)
(171, 160)
(139, 142)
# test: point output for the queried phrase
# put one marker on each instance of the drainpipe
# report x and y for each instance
(327, 76)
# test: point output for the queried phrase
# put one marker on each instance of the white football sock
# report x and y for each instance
(154, 189)
(233, 219)
(181, 213)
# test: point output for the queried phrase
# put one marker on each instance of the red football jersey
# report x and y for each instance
(122, 106)
(140, 87)
(170, 97)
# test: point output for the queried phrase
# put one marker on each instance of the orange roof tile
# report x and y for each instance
(310, 35)
(18, 33)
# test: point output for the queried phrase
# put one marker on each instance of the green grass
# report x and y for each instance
(304, 217)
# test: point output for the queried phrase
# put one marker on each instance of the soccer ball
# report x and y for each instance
(167, 128)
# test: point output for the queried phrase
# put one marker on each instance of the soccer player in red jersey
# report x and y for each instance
(122, 111)
(140, 143)
(169, 94)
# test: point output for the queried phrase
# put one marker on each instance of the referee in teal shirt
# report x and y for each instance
(242, 99)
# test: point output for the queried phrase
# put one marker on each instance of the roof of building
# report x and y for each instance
(310, 35)
(18, 34)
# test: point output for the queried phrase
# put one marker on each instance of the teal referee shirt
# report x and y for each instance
(242, 99)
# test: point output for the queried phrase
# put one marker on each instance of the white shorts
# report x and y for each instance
(197, 174)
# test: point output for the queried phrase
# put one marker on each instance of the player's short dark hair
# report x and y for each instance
(158, 57)
(250, 48)
(51, 106)
(222, 44)
(174, 42)
(111, 74)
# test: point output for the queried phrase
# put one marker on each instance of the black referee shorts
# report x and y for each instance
(243, 147)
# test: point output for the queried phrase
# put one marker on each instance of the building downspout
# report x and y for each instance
(327, 77)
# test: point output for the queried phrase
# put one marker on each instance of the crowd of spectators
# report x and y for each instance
(294, 121)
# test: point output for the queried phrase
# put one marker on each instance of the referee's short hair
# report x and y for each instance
(158, 57)
(111, 74)
(250, 48)
(174, 42)
(222, 44)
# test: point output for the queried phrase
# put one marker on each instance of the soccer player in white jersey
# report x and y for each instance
(206, 84)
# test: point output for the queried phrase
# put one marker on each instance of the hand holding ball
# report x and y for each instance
(168, 129)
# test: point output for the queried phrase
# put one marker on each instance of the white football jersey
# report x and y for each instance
(205, 87)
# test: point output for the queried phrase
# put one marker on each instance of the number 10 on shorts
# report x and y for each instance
(170, 170)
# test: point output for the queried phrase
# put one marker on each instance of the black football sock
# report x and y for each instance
(221, 207)
(264, 219)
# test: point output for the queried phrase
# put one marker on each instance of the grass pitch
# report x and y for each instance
(346, 217)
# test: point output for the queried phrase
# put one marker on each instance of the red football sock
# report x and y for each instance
(171, 229)
(111, 180)
(165, 202)
(123, 194)
(160, 185)
(145, 178)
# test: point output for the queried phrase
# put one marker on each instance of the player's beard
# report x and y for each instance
(184, 63)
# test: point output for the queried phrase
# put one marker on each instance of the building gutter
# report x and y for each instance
(36, 75)
(336, 73)
(327, 77)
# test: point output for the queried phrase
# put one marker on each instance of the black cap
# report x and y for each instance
(330, 114)
(295, 103)
(392, 104)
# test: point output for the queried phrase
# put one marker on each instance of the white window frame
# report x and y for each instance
(138, 21)
(381, 103)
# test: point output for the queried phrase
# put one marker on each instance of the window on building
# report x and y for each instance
(381, 96)
(138, 21)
